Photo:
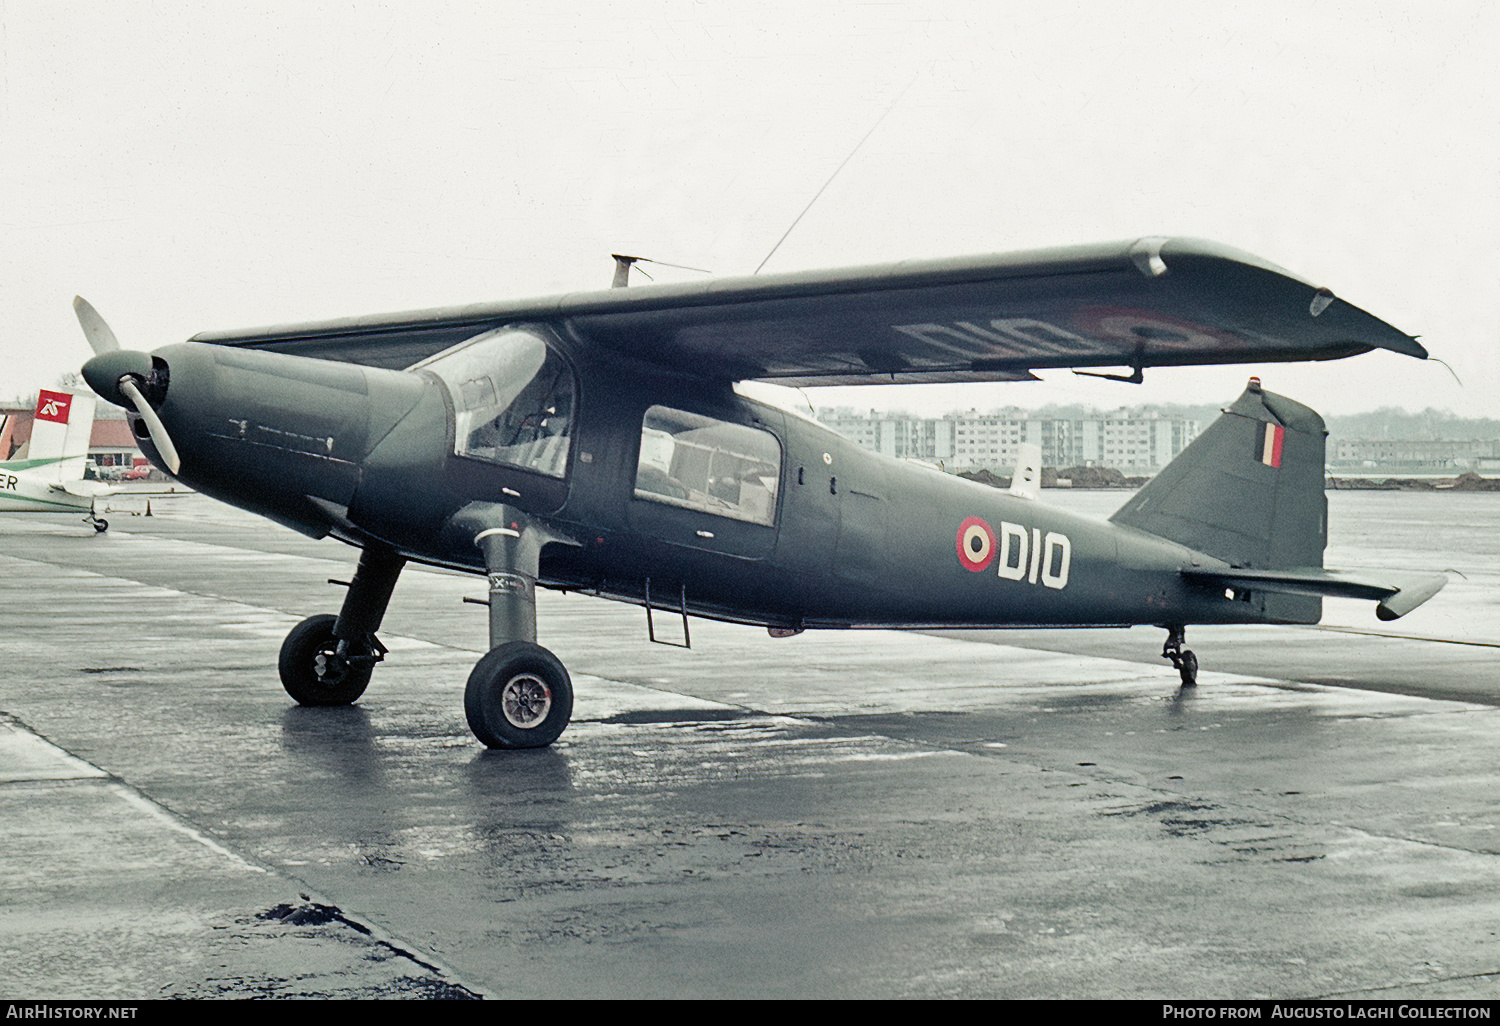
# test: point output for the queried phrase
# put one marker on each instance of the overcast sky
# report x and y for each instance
(192, 166)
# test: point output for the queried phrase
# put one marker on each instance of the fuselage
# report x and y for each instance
(664, 482)
(32, 486)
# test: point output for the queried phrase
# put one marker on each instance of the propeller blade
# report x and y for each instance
(101, 339)
(158, 430)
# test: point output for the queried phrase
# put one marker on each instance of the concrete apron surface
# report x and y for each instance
(851, 814)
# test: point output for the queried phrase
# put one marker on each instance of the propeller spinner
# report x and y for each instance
(117, 375)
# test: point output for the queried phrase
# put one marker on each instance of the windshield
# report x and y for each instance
(512, 400)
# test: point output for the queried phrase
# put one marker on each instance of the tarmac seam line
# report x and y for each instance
(135, 798)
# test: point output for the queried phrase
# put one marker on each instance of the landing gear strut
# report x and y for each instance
(519, 695)
(1182, 659)
(328, 660)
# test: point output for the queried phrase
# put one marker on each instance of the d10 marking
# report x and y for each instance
(1025, 554)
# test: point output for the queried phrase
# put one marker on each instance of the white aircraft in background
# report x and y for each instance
(48, 478)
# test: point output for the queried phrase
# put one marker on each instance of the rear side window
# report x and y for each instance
(715, 466)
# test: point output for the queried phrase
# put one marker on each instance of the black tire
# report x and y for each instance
(1187, 666)
(310, 670)
(100, 525)
(519, 696)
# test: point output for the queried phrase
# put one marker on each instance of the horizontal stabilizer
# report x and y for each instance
(1398, 593)
(87, 489)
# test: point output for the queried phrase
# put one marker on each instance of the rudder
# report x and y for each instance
(59, 444)
(1248, 490)
(61, 426)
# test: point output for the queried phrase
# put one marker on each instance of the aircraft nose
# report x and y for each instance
(103, 373)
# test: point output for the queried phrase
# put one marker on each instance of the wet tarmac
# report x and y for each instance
(839, 814)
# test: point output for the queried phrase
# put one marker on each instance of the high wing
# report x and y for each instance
(1149, 303)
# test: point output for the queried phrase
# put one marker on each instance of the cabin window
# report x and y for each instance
(726, 469)
(513, 400)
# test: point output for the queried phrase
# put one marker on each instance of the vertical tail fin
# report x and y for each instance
(60, 431)
(1249, 490)
(1026, 482)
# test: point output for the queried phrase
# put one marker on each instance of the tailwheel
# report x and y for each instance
(1185, 662)
(99, 524)
(318, 669)
(519, 696)
(1187, 667)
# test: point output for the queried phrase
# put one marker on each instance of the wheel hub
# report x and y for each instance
(329, 667)
(526, 700)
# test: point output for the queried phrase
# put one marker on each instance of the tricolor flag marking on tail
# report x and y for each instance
(1269, 448)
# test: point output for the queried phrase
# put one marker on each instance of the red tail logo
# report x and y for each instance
(53, 406)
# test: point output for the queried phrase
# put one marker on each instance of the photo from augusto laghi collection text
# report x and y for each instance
(1343, 1010)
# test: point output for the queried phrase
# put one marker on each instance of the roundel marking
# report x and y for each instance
(1143, 326)
(976, 544)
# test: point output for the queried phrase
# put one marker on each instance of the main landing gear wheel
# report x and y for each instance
(519, 696)
(314, 672)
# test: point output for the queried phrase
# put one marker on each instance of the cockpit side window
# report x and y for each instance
(689, 460)
(513, 400)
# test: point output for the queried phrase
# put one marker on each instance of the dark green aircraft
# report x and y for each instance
(595, 442)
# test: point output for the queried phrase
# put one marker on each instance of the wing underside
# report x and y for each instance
(1148, 303)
